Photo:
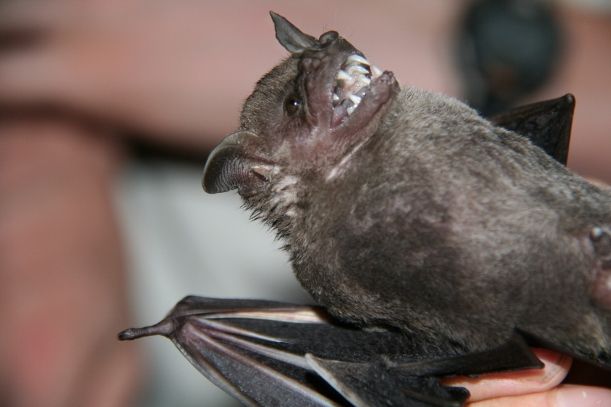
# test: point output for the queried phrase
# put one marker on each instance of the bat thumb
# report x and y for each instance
(164, 328)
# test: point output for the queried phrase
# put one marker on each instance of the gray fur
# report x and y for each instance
(434, 221)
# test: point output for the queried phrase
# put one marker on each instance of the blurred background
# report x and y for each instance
(107, 111)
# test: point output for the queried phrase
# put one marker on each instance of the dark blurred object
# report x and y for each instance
(588, 375)
(506, 49)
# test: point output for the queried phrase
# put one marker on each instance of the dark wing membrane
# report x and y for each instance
(547, 124)
(270, 353)
(513, 355)
(245, 374)
(372, 384)
(245, 361)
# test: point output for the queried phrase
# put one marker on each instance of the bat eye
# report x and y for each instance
(292, 105)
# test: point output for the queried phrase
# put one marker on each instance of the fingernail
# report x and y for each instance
(556, 366)
(583, 396)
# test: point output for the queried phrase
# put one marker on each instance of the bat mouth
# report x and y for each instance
(352, 83)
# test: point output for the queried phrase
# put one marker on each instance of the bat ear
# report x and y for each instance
(291, 37)
(234, 163)
(546, 124)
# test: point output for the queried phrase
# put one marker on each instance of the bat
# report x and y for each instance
(404, 208)
(406, 214)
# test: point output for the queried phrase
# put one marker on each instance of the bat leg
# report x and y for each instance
(416, 383)
(373, 384)
(601, 359)
(515, 354)
(547, 124)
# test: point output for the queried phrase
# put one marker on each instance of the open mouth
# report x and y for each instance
(351, 85)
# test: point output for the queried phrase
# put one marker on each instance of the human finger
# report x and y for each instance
(495, 385)
(562, 396)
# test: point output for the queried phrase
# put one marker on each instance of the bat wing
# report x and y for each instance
(547, 124)
(371, 384)
(232, 343)
(270, 353)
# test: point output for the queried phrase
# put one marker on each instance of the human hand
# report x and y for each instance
(179, 70)
(533, 387)
(62, 279)
(161, 67)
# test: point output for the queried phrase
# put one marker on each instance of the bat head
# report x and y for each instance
(302, 119)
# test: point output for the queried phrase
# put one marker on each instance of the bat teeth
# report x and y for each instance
(344, 76)
(375, 71)
(352, 81)
(357, 69)
(357, 59)
(360, 82)
(355, 99)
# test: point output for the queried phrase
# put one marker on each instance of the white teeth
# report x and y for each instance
(347, 79)
(355, 99)
(354, 58)
(358, 69)
(352, 83)
(375, 71)
(343, 76)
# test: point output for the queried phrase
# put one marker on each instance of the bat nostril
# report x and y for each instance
(310, 63)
